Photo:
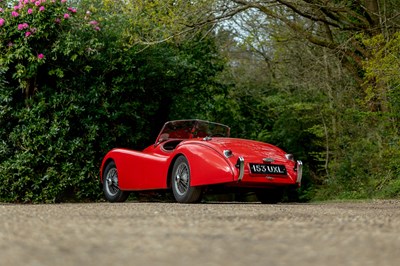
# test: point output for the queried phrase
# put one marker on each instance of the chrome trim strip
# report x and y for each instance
(240, 165)
(299, 170)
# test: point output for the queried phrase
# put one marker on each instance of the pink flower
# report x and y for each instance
(33, 1)
(93, 22)
(66, 16)
(57, 20)
(19, 6)
(30, 11)
(1, 10)
(26, 2)
(14, 14)
(27, 34)
(40, 56)
(63, 1)
(41, 8)
(33, 30)
(2, 21)
(97, 28)
(37, 3)
(23, 26)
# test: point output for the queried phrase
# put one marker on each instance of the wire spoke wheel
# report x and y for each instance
(182, 179)
(111, 189)
(183, 192)
(112, 182)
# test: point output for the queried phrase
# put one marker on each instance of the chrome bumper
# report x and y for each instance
(299, 170)
(240, 165)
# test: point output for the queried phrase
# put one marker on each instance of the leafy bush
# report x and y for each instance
(71, 90)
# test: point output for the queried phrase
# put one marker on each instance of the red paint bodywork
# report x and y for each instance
(151, 168)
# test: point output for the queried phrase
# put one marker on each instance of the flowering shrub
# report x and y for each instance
(30, 33)
(71, 89)
(43, 44)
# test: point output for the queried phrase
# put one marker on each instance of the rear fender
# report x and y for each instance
(207, 166)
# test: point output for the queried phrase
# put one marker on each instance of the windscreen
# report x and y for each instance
(187, 129)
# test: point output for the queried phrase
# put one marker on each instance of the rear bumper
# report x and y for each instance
(299, 170)
(240, 165)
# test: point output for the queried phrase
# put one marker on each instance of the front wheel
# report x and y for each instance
(110, 184)
(181, 188)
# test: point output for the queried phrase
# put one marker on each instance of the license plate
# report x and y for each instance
(267, 169)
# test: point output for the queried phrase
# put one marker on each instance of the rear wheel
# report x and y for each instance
(270, 196)
(181, 188)
(110, 184)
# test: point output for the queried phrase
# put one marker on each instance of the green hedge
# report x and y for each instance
(72, 89)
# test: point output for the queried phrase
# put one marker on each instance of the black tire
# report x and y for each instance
(270, 196)
(180, 183)
(110, 184)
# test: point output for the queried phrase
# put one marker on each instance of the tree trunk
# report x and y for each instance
(373, 15)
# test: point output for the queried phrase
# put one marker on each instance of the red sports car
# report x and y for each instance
(192, 155)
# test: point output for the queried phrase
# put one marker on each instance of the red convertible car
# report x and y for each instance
(190, 156)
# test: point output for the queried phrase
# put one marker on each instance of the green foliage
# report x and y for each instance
(330, 96)
(366, 163)
(298, 96)
(367, 151)
(25, 38)
(151, 22)
(88, 93)
(382, 78)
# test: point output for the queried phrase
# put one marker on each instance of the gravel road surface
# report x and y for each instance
(356, 233)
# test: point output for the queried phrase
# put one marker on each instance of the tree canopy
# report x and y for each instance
(335, 63)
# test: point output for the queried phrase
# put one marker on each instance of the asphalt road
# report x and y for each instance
(358, 233)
